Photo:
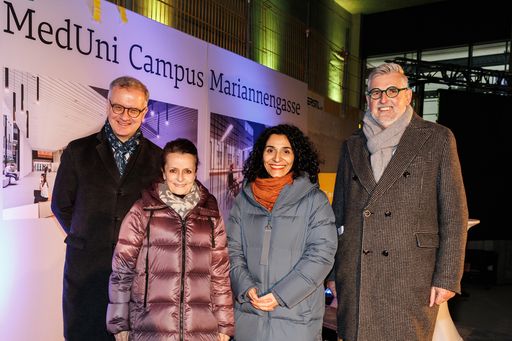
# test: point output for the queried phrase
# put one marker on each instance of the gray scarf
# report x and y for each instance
(181, 205)
(382, 142)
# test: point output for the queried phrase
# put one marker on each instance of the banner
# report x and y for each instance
(58, 58)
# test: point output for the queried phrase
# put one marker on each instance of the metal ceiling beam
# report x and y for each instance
(474, 79)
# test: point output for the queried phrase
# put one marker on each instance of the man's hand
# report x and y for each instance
(439, 296)
(222, 337)
(122, 336)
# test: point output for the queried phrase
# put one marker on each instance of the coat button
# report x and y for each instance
(385, 253)
(387, 213)
(355, 178)
(406, 174)
(366, 251)
(119, 193)
(367, 213)
(117, 219)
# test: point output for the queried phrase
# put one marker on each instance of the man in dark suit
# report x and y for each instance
(99, 178)
(401, 214)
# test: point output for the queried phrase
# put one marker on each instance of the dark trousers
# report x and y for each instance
(85, 293)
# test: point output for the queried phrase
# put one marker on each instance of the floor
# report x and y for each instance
(483, 313)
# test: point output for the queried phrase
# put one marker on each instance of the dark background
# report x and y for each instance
(481, 124)
(438, 25)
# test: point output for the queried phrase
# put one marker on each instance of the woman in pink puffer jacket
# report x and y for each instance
(170, 270)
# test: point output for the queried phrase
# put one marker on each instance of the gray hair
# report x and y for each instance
(129, 82)
(387, 68)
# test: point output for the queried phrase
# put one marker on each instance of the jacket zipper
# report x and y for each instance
(266, 252)
(212, 225)
(182, 282)
(146, 285)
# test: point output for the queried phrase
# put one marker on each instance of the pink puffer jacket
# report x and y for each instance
(180, 289)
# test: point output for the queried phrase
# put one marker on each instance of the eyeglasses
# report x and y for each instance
(391, 92)
(118, 109)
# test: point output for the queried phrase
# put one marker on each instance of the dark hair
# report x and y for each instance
(182, 146)
(306, 157)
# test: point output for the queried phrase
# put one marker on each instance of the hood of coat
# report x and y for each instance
(207, 204)
(290, 194)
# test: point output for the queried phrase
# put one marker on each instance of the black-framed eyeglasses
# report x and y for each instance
(391, 92)
(118, 109)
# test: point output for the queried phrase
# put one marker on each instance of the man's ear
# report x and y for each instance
(143, 113)
(409, 95)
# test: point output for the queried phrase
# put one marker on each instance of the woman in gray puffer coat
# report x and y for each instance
(282, 241)
(170, 270)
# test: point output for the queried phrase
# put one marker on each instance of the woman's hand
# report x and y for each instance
(122, 336)
(252, 294)
(265, 303)
(222, 337)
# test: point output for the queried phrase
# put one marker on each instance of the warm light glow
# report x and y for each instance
(44, 155)
(334, 88)
(268, 38)
(156, 10)
(336, 34)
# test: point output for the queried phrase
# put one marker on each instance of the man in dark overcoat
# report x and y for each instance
(401, 213)
(99, 178)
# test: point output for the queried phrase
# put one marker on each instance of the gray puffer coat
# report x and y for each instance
(288, 252)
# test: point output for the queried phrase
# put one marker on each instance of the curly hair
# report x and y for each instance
(306, 157)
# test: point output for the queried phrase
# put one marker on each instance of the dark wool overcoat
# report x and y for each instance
(90, 199)
(401, 235)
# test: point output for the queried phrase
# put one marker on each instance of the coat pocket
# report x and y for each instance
(427, 239)
(248, 308)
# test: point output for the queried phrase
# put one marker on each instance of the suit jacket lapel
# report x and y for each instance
(360, 158)
(105, 153)
(415, 135)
